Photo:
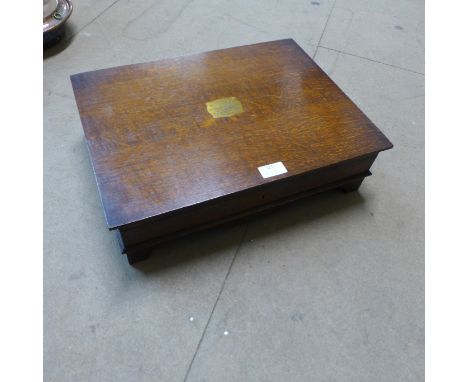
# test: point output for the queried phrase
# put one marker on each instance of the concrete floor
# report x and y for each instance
(328, 289)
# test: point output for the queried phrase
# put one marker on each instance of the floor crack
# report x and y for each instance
(372, 60)
(216, 302)
(93, 19)
(325, 27)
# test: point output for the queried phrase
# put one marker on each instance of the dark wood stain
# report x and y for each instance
(162, 162)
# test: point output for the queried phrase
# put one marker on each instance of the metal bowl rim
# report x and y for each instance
(69, 5)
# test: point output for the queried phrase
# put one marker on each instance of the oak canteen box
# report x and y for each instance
(184, 144)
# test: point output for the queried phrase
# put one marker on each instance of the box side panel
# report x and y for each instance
(241, 202)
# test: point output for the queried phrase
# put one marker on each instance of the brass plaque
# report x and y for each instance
(224, 107)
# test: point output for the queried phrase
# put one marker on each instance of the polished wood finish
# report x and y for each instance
(165, 165)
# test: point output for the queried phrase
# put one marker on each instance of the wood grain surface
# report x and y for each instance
(155, 148)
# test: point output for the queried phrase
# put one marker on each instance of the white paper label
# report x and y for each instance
(272, 169)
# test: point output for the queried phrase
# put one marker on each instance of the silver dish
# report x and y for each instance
(55, 14)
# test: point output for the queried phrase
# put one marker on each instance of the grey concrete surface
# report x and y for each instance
(327, 289)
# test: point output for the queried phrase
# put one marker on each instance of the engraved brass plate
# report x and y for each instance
(224, 107)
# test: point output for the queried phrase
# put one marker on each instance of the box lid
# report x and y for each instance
(177, 132)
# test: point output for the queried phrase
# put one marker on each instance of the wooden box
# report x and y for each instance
(184, 144)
